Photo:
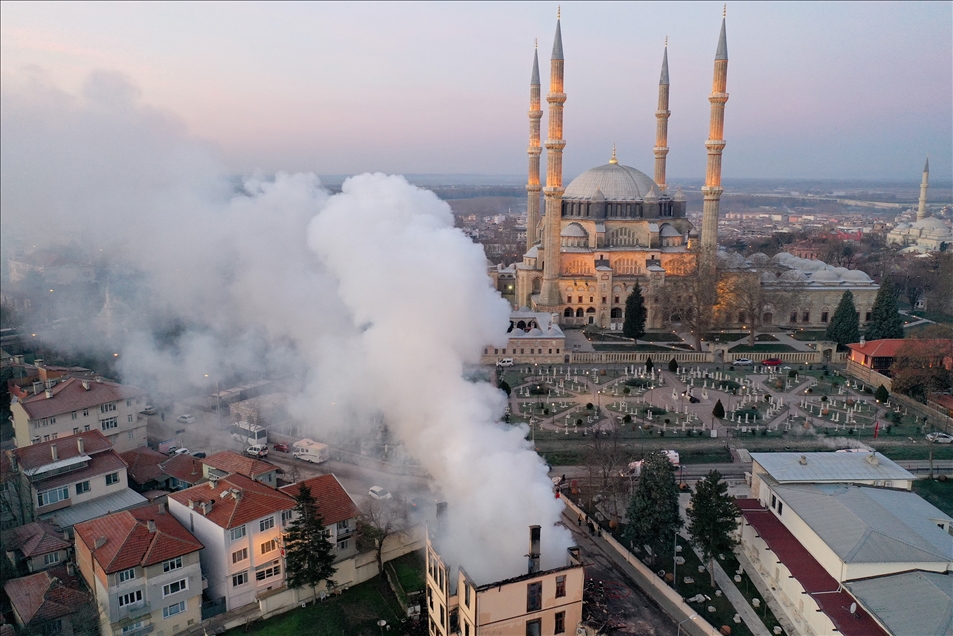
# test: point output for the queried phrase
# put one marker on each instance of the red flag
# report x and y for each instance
(876, 429)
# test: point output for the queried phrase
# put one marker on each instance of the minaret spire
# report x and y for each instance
(922, 208)
(549, 292)
(716, 145)
(534, 150)
(661, 129)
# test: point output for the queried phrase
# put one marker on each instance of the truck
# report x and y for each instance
(311, 451)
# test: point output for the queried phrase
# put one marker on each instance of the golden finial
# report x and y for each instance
(724, 11)
(613, 160)
(558, 11)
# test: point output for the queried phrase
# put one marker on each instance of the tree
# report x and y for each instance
(711, 519)
(746, 295)
(309, 557)
(692, 299)
(381, 518)
(635, 312)
(844, 327)
(648, 365)
(653, 515)
(673, 365)
(922, 366)
(885, 321)
(505, 387)
(719, 410)
(882, 394)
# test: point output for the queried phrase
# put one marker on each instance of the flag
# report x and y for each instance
(876, 429)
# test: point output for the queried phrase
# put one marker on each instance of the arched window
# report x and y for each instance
(591, 310)
(615, 313)
(579, 313)
(568, 312)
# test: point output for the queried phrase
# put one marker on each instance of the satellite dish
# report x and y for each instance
(853, 608)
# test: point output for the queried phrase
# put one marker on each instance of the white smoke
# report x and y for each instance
(370, 297)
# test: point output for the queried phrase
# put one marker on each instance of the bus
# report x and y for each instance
(249, 434)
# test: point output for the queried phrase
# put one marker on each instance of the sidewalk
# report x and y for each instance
(766, 597)
(747, 613)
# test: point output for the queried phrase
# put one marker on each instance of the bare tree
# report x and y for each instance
(380, 519)
(692, 299)
(745, 295)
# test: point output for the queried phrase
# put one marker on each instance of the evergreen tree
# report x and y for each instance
(505, 387)
(719, 410)
(653, 515)
(648, 364)
(844, 327)
(885, 321)
(635, 312)
(673, 365)
(882, 394)
(308, 551)
(711, 519)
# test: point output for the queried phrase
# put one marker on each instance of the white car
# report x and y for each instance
(257, 450)
(743, 362)
(182, 451)
(185, 419)
(505, 362)
(940, 438)
(376, 492)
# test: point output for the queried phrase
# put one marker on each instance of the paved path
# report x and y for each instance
(747, 613)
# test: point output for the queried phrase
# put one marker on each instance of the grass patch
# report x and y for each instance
(919, 451)
(410, 571)
(935, 316)
(765, 337)
(605, 346)
(938, 493)
(724, 338)
(704, 456)
(356, 611)
(747, 588)
(562, 458)
(664, 336)
(809, 336)
(761, 348)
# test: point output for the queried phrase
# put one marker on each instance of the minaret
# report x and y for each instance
(549, 293)
(662, 115)
(715, 144)
(922, 209)
(532, 183)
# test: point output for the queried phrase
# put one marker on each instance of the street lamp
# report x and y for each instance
(690, 618)
(675, 561)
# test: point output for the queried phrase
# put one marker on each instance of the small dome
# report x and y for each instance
(535, 331)
(902, 226)
(760, 259)
(825, 276)
(793, 276)
(856, 276)
(532, 252)
(574, 230)
(614, 181)
(769, 277)
(669, 232)
(930, 223)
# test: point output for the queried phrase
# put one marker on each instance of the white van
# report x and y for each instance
(256, 450)
(311, 451)
(505, 362)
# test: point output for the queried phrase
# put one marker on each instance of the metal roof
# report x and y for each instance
(558, 43)
(614, 182)
(78, 513)
(663, 80)
(830, 467)
(534, 81)
(909, 604)
(722, 52)
(862, 524)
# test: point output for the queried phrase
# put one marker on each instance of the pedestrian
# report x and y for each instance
(162, 415)
(579, 520)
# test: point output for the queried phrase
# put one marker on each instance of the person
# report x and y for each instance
(579, 520)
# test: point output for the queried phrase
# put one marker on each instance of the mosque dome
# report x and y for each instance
(614, 182)
(825, 276)
(574, 230)
(669, 232)
(856, 276)
(931, 223)
(793, 276)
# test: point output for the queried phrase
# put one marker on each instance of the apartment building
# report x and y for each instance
(225, 462)
(144, 570)
(336, 508)
(69, 480)
(36, 547)
(52, 410)
(239, 522)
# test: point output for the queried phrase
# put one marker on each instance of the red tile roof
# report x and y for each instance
(809, 573)
(232, 462)
(37, 455)
(35, 538)
(71, 396)
(235, 499)
(185, 468)
(45, 595)
(879, 348)
(143, 464)
(130, 543)
(334, 504)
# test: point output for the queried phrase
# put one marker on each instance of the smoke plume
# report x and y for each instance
(369, 298)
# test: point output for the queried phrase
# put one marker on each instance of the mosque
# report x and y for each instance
(926, 234)
(613, 226)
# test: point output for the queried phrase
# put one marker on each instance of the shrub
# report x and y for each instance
(626, 390)
(627, 419)
(578, 421)
(648, 364)
(882, 395)
(823, 398)
(588, 406)
(661, 433)
(505, 388)
(673, 365)
(719, 410)
(764, 432)
(850, 432)
(868, 390)
(792, 373)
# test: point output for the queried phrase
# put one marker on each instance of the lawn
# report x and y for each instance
(938, 493)
(762, 348)
(808, 336)
(765, 337)
(356, 612)
(747, 588)
(410, 571)
(605, 346)
(724, 338)
(663, 336)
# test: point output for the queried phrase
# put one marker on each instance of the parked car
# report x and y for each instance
(200, 455)
(187, 418)
(505, 362)
(257, 451)
(940, 438)
(376, 492)
(743, 362)
(181, 451)
(149, 410)
(281, 447)
(772, 362)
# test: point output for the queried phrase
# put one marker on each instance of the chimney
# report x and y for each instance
(53, 452)
(71, 568)
(38, 363)
(100, 542)
(803, 460)
(863, 341)
(533, 549)
(872, 459)
(13, 461)
(151, 525)
(36, 386)
(80, 446)
(191, 504)
(236, 494)
(86, 385)
(49, 393)
(99, 379)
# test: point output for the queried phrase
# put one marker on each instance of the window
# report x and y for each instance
(867, 317)
(133, 627)
(580, 298)
(237, 533)
(239, 555)
(560, 623)
(806, 316)
(53, 627)
(240, 579)
(780, 507)
(50, 559)
(82, 487)
(85, 412)
(128, 402)
(172, 564)
(52, 496)
(344, 545)
(269, 546)
(112, 478)
(175, 587)
(130, 435)
(86, 428)
(53, 419)
(75, 430)
(616, 300)
(287, 516)
(73, 415)
(109, 423)
(466, 595)
(534, 597)
(774, 501)
(126, 575)
(172, 610)
(107, 408)
(344, 526)
(129, 418)
(560, 586)
(266, 524)
(130, 597)
(604, 300)
(591, 298)
(534, 627)
(267, 573)
(823, 316)
(794, 316)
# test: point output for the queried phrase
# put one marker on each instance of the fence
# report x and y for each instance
(638, 357)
